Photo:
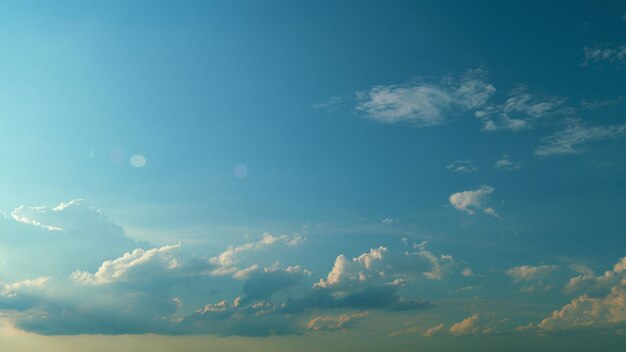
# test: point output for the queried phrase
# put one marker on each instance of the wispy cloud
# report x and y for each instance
(572, 139)
(462, 166)
(506, 163)
(597, 104)
(521, 110)
(605, 54)
(330, 104)
(426, 103)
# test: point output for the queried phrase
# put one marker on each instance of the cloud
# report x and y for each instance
(587, 280)
(604, 311)
(64, 237)
(11, 289)
(466, 326)
(262, 285)
(227, 262)
(334, 322)
(462, 166)
(597, 104)
(435, 330)
(138, 265)
(572, 139)
(233, 319)
(426, 103)
(472, 200)
(530, 273)
(521, 111)
(331, 104)
(588, 312)
(534, 278)
(604, 54)
(505, 163)
(389, 221)
(484, 323)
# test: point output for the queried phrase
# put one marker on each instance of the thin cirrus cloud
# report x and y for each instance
(473, 200)
(506, 163)
(430, 103)
(521, 110)
(462, 167)
(604, 54)
(426, 103)
(575, 135)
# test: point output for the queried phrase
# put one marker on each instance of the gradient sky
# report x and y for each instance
(323, 175)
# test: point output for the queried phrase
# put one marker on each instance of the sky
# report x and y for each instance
(291, 175)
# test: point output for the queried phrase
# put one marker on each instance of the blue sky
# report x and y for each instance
(284, 174)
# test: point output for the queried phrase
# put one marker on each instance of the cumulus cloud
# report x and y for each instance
(604, 311)
(426, 103)
(334, 322)
(462, 167)
(137, 265)
(484, 323)
(227, 262)
(472, 200)
(589, 312)
(572, 139)
(11, 289)
(233, 319)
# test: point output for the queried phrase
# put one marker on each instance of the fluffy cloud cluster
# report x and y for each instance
(137, 265)
(472, 200)
(603, 311)
(227, 261)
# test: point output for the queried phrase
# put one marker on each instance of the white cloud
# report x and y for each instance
(330, 104)
(435, 330)
(227, 261)
(521, 110)
(605, 53)
(462, 166)
(380, 263)
(597, 104)
(484, 323)
(131, 266)
(466, 326)
(589, 312)
(389, 221)
(334, 322)
(571, 139)
(604, 311)
(530, 273)
(423, 103)
(533, 278)
(467, 272)
(469, 201)
(506, 163)
(11, 289)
